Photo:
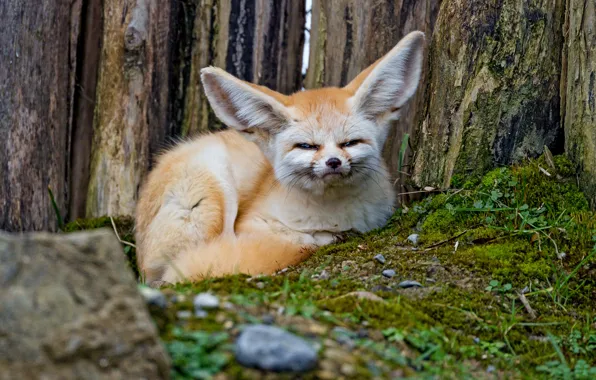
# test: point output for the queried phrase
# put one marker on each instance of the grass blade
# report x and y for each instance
(402, 151)
(56, 209)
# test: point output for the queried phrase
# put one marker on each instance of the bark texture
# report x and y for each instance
(260, 41)
(494, 87)
(346, 37)
(71, 310)
(579, 86)
(37, 56)
(131, 112)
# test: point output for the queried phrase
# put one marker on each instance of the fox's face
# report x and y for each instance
(324, 144)
(327, 137)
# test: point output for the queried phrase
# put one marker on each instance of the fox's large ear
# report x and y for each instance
(242, 105)
(386, 85)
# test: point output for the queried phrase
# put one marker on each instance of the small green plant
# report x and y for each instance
(495, 286)
(197, 354)
(393, 334)
(558, 370)
(493, 348)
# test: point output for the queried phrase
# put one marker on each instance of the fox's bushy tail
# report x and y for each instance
(248, 254)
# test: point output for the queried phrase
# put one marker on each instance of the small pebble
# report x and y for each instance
(380, 258)
(261, 285)
(388, 273)
(205, 301)
(413, 239)
(184, 314)
(324, 275)
(200, 313)
(409, 284)
(268, 319)
(273, 349)
(347, 369)
(153, 297)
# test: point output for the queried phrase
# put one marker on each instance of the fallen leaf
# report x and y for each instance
(364, 295)
(544, 171)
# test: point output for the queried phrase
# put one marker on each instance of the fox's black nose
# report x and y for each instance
(333, 163)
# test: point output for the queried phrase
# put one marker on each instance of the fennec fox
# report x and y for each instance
(290, 174)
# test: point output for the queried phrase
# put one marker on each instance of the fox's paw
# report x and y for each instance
(324, 238)
(341, 237)
(159, 284)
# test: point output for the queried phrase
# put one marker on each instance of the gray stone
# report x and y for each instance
(380, 258)
(153, 297)
(324, 275)
(70, 309)
(413, 239)
(273, 349)
(200, 313)
(204, 301)
(409, 284)
(268, 319)
(388, 273)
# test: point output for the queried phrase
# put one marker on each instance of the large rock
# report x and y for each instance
(70, 309)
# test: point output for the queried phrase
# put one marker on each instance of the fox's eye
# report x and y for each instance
(306, 146)
(350, 143)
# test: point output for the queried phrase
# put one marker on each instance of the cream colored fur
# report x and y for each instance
(291, 174)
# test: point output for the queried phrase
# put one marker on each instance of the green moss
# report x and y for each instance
(381, 315)
(455, 326)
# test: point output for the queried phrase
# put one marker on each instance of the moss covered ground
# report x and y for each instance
(507, 264)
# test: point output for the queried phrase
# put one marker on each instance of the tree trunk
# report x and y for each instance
(346, 37)
(38, 50)
(131, 113)
(139, 103)
(494, 88)
(256, 40)
(579, 85)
